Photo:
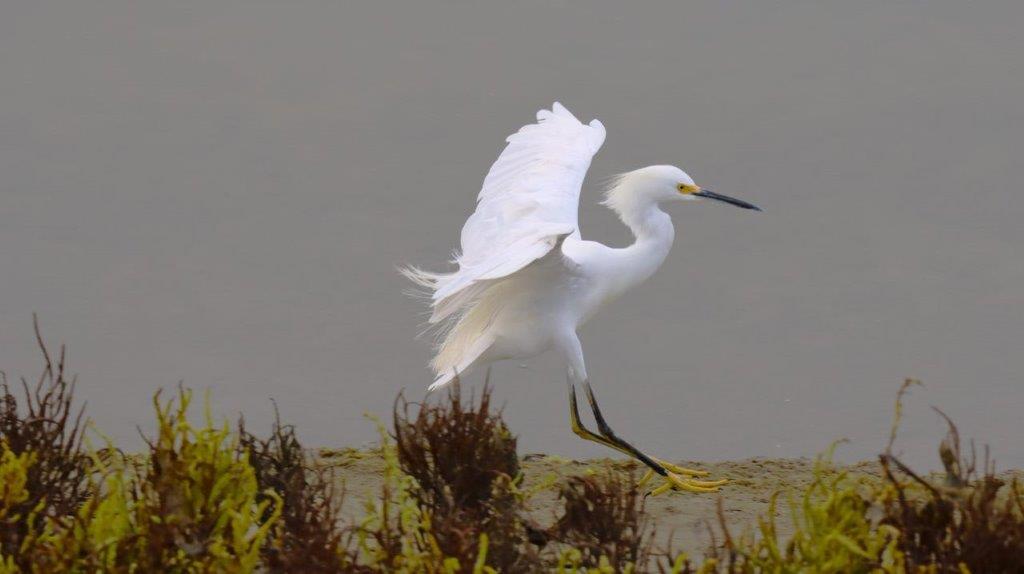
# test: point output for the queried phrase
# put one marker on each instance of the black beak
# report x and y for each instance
(726, 199)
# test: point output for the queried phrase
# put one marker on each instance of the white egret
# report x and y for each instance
(526, 279)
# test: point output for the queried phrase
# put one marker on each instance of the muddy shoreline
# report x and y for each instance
(686, 518)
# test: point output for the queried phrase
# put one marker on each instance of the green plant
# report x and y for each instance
(308, 537)
(191, 506)
(603, 523)
(14, 477)
(466, 475)
(968, 521)
(396, 534)
(47, 430)
(972, 520)
(205, 499)
(454, 451)
(833, 531)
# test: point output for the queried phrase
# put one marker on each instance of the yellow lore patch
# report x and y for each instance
(687, 189)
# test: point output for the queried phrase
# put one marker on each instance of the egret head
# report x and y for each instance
(656, 184)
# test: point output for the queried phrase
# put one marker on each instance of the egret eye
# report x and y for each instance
(687, 189)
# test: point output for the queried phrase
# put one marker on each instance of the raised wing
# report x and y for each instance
(529, 199)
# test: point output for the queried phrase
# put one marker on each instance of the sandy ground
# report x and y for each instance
(684, 517)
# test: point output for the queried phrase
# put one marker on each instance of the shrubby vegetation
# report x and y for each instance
(206, 498)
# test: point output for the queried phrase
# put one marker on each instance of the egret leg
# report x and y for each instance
(672, 474)
(586, 434)
(606, 430)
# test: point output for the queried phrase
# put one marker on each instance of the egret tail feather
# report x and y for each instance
(449, 371)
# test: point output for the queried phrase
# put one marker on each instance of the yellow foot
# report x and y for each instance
(675, 480)
(679, 469)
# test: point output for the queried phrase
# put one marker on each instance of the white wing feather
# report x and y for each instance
(529, 198)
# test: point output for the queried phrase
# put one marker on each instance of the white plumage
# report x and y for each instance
(515, 295)
(530, 195)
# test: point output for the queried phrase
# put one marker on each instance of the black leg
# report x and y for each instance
(583, 431)
(607, 432)
(607, 437)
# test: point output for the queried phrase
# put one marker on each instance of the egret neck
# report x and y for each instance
(654, 234)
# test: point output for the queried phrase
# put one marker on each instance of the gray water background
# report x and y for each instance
(218, 192)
